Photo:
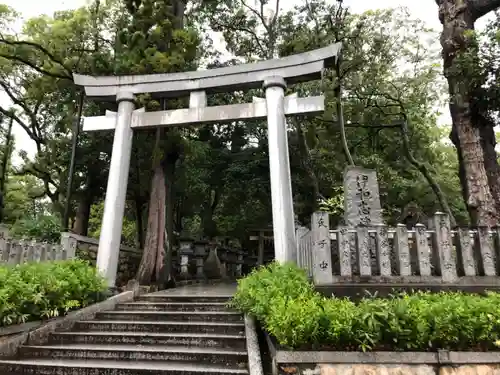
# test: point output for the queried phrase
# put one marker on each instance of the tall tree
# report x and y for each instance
(157, 42)
(472, 136)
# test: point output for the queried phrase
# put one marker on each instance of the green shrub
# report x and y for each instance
(258, 291)
(285, 303)
(296, 322)
(45, 290)
(43, 228)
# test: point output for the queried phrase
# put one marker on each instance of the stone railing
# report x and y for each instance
(18, 251)
(433, 254)
(86, 249)
(204, 260)
(305, 241)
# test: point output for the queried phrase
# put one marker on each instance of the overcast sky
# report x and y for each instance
(426, 10)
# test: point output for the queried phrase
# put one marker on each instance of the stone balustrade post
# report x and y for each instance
(4, 250)
(68, 245)
(442, 240)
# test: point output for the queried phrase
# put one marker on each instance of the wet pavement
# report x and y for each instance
(200, 290)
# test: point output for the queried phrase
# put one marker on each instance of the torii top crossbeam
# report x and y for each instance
(297, 68)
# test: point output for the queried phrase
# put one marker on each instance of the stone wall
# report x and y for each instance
(130, 258)
(366, 369)
(324, 362)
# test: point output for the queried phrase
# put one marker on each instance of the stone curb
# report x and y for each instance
(440, 358)
(39, 336)
(253, 350)
(19, 328)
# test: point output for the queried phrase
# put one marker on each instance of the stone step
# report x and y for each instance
(222, 357)
(183, 298)
(173, 306)
(178, 316)
(106, 367)
(160, 327)
(236, 342)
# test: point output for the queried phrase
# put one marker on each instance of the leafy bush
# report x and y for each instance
(284, 301)
(262, 288)
(43, 228)
(45, 290)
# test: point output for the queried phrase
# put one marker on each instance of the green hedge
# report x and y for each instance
(35, 291)
(285, 303)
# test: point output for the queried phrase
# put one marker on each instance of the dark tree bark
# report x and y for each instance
(81, 224)
(152, 261)
(138, 221)
(483, 120)
(85, 201)
(5, 162)
(458, 17)
(209, 227)
(461, 170)
(169, 164)
(307, 164)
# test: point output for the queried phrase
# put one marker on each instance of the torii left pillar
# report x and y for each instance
(285, 246)
(114, 203)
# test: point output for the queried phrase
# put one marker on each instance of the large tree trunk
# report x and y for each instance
(81, 225)
(461, 170)
(86, 198)
(5, 162)
(488, 143)
(458, 17)
(307, 164)
(208, 223)
(138, 221)
(154, 253)
(169, 182)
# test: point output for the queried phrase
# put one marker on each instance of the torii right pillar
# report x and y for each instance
(285, 246)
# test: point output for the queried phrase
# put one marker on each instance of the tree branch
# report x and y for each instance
(40, 48)
(34, 67)
(254, 11)
(425, 172)
(19, 121)
(276, 11)
(25, 108)
(236, 29)
(480, 8)
(360, 125)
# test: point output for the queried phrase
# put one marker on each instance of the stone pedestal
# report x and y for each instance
(200, 253)
(222, 255)
(239, 264)
(213, 268)
(186, 253)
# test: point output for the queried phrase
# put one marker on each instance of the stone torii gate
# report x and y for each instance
(271, 75)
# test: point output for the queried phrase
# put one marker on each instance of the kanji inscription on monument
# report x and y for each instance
(361, 197)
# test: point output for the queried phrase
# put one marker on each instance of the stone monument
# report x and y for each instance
(361, 198)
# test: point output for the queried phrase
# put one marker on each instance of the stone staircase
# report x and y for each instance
(155, 335)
